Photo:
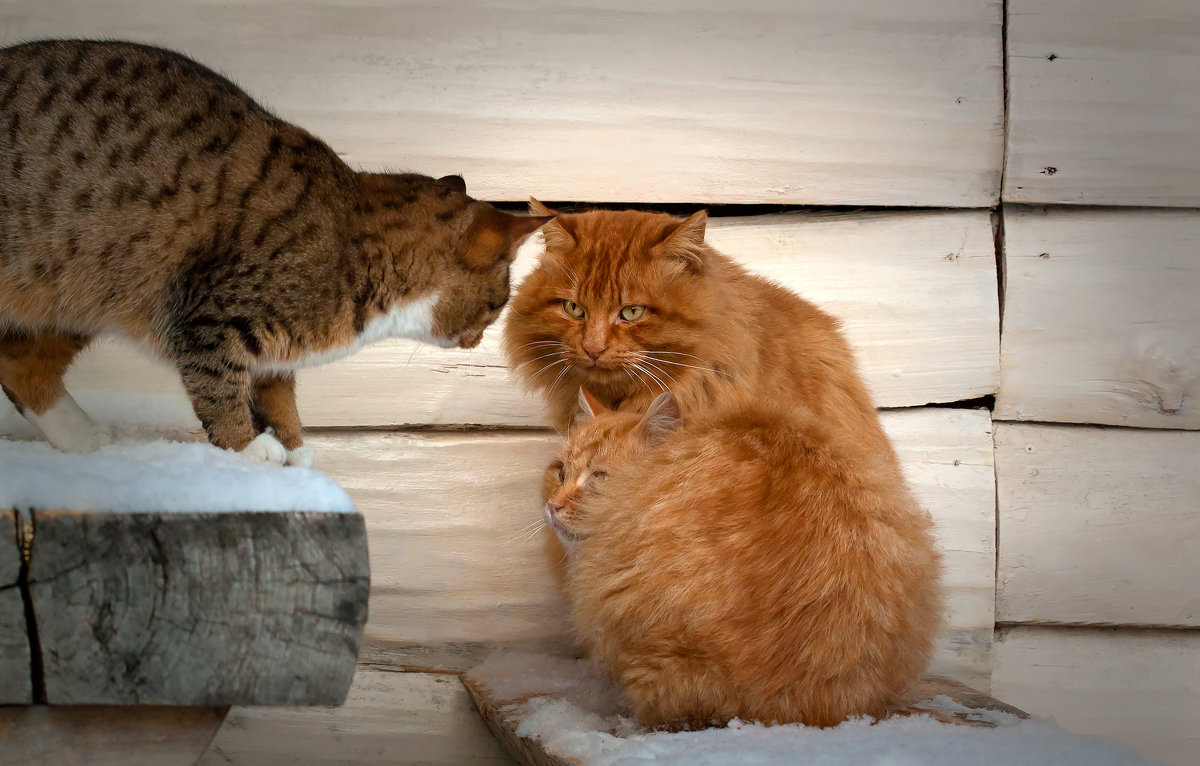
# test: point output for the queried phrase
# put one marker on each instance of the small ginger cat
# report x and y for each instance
(752, 562)
(142, 194)
(629, 304)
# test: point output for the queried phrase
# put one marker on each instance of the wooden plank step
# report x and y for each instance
(15, 685)
(863, 102)
(502, 696)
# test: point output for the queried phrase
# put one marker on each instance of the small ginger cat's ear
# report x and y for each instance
(557, 233)
(686, 243)
(589, 405)
(661, 418)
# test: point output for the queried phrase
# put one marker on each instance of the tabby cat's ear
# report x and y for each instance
(454, 183)
(558, 233)
(495, 236)
(661, 418)
(686, 242)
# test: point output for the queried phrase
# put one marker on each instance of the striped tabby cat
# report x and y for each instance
(144, 195)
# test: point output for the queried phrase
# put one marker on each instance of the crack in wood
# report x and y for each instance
(23, 520)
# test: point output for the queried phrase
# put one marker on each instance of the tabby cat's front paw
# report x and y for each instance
(266, 448)
(301, 457)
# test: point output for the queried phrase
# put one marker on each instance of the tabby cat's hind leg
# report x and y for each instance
(32, 364)
(275, 408)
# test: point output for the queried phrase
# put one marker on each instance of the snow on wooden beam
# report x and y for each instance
(863, 102)
(916, 291)
(1101, 318)
(1132, 686)
(1104, 103)
(15, 687)
(1097, 525)
(459, 566)
(388, 718)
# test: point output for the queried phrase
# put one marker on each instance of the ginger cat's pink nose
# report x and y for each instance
(554, 509)
(594, 352)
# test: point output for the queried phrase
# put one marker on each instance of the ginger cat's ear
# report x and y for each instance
(558, 233)
(661, 418)
(686, 242)
(590, 406)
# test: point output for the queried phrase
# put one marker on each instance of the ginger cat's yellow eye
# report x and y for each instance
(573, 309)
(632, 313)
(562, 474)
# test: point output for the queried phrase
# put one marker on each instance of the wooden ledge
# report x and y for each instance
(187, 609)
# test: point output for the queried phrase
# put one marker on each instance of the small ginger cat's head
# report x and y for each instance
(618, 296)
(465, 245)
(601, 442)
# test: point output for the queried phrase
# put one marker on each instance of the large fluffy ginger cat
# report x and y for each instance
(629, 304)
(751, 562)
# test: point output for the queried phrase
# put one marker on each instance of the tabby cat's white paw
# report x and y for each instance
(69, 429)
(267, 449)
(301, 457)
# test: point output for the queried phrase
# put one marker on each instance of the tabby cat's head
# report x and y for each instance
(431, 234)
(602, 442)
(618, 298)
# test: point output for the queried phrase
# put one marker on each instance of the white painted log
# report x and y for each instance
(389, 718)
(459, 566)
(1104, 102)
(1098, 525)
(917, 293)
(1132, 686)
(863, 102)
(1101, 318)
(15, 685)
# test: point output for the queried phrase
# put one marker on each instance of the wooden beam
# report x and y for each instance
(388, 718)
(921, 311)
(107, 736)
(1104, 103)
(1132, 686)
(15, 687)
(862, 102)
(460, 567)
(1101, 318)
(1098, 525)
(166, 608)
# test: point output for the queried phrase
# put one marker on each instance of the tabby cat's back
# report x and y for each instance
(143, 194)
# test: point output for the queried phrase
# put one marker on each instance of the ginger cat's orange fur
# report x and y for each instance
(752, 562)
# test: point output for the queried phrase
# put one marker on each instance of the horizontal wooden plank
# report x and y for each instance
(86, 735)
(1104, 103)
(1098, 525)
(1137, 687)
(865, 102)
(389, 718)
(198, 608)
(1101, 318)
(459, 565)
(933, 340)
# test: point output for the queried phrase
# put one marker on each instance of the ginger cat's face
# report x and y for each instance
(618, 300)
(601, 441)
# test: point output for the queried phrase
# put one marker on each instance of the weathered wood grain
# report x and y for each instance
(15, 686)
(459, 566)
(388, 718)
(916, 291)
(1098, 525)
(1104, 103)
(559, 681)
(106, 736)
(198, 609)
(1132, 686)
(1101, 318)
(863, 102)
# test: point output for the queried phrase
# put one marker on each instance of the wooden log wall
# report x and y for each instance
(1009, 254)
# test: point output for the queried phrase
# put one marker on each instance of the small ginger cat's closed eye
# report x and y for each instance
(144, 195)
